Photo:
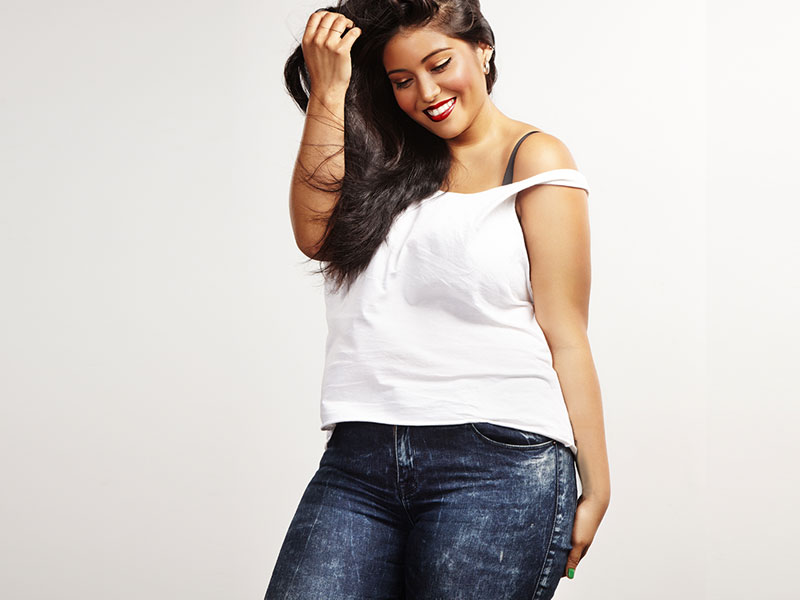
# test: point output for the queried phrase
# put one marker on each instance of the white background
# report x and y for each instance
(162, 340)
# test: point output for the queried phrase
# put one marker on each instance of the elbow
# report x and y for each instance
(565, 334)
(311, 250)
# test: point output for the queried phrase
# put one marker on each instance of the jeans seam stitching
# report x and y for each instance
(397, 479)
(547, 560)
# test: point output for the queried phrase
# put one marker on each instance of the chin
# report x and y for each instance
(443, 131)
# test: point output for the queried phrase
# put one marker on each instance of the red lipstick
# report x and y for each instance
(450, 102)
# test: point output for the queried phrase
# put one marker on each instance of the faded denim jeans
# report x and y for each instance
(431, 512)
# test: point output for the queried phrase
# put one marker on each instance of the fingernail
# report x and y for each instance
(571, 573)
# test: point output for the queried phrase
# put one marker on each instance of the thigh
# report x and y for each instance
(498, 523)
(344, 542)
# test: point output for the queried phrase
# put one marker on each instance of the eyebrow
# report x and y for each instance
(420, 62)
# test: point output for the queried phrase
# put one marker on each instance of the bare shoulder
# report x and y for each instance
(541, 152)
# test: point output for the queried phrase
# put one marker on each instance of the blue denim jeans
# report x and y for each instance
(431, 512)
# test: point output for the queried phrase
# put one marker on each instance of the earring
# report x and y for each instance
(486, 68)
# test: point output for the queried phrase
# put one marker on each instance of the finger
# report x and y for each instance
(349, 39)
(321, 25)
(313, 25)
(327, 27)
(343, 23)
(572, 561)
(324, 11)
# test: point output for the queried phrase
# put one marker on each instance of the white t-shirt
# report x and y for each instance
(440, 328)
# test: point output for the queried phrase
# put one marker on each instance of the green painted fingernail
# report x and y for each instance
(571, 573)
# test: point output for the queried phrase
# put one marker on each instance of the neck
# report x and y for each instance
(487, 128)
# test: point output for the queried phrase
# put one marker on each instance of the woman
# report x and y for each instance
(455, 416)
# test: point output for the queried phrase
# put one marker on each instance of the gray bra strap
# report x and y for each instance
(509, 176)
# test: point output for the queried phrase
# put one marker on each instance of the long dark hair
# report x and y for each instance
(391, 160)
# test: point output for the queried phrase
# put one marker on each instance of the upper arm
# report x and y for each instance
(555, 224)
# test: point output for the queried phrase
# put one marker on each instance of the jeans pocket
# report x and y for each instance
(510, 437)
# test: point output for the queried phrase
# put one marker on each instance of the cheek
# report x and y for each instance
(405, 100)
(459, 81)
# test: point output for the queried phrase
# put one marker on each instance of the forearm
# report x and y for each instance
(581, 387)
(320, 160)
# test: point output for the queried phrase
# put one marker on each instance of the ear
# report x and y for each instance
(485, 52)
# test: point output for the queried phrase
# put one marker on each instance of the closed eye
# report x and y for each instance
(437, 68)
(442, 66)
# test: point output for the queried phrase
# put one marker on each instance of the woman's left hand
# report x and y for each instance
(588, 514)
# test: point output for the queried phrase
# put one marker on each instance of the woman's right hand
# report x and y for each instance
(327, 53)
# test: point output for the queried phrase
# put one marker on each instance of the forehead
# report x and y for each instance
(407, 48)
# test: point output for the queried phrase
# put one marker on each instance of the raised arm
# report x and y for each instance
(320, 161)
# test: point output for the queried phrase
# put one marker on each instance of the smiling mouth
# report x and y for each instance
(441, 112)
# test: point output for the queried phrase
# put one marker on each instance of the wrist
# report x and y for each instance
(331, 97)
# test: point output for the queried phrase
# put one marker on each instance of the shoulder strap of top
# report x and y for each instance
(509, 175)
(565, 177)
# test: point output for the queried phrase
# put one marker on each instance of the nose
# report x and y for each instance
(428, 90)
